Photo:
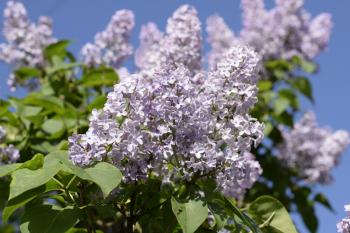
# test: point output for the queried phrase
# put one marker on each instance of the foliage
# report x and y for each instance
(46, 192)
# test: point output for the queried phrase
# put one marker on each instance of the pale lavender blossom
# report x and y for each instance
(311, 150)
(247, 169)
(344, 225)
(184, 40)
(25, 40)
(180, 45)
(180, 124)
(220, 37)
(148, 56)
(9, 154)
(317, 38)
(112, 46)
(284, 31)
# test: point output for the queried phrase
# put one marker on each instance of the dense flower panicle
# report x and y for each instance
(148, 56)
(111, 46)
(311, 150)
(317, 38)
(246, 170)
(284, 31)
(179, 125)
(344, 225)
(253, 14)
(220, 38)
(184, 39)
(25, 40)
(179, 46)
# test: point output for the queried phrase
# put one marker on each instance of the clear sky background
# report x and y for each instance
(79, 20)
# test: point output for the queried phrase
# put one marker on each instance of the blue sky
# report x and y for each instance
(79, 20)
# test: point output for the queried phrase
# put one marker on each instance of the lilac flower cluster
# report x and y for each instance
(311, 150)
(25, 40)
(111, 46)
(220, 37)
(8, 154)
(344, 225)
(282, 32)
(181, 45)
(175, 121)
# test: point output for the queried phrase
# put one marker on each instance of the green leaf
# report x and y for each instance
(50, 103)
(101, 76)
(306, 208)
(81, 230)
(216, 208)
(322, 199)
(27, 72)
(35, 163)
(8, 169)
(268, 128)
(280, 105)
(244, 218)
(26, 197)
(270, 213)
(97, 103)
(290, 96)
(105, 175)
(303, 85)
(308, 66)
(264, 85)
(54, 127)
(282, 65)
(60, 65)
(190, 215)
(26, 179)
(49, 219)
(56, 49)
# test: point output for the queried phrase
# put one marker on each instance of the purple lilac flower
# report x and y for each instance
(344, 225)
(282, 32)
(148, 56)
(180, 46)
(179, 124)
(25, 40)
(111, 46)
(220, 37)
(9, 154)
(311, 150)
(285, 31)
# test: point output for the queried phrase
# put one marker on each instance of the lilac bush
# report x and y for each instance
(184, 140)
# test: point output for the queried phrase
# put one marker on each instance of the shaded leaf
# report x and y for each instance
(49, 219)
(101, 76)
(271, 213)
(190, 215)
